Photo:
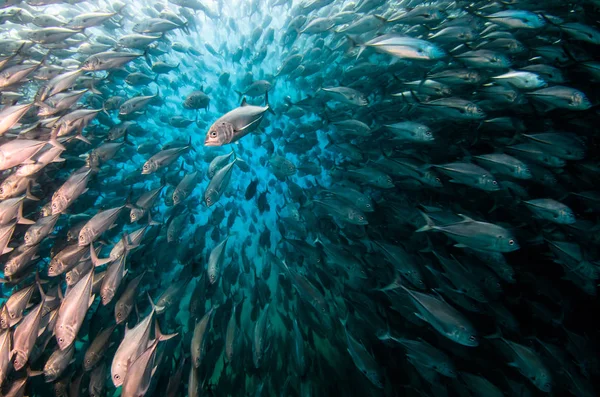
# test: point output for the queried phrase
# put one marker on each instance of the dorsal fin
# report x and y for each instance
(244, 103)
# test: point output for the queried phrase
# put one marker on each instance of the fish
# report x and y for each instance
(477, 235)
(25, 335)
(259, 336)
(131, 347)
(215, 261)
(444, 318)
(236, 124)
(97, 348)
(72, 311)
(198, 337)
(362, 359)
(218, 184)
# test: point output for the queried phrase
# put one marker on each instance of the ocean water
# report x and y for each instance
(402, 199)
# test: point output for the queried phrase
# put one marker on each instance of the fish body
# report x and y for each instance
(235, 124)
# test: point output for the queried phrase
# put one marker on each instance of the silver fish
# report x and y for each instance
(235, 124)
(73, 310)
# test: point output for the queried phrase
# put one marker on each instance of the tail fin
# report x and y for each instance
(152, 222)
(95, 260)
(354, 44)
(429, 226)
(269, 108)
(395, 284)
(157, 309)
(159, 335)
(147, 58)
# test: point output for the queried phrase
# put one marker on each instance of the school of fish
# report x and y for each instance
(299, 198)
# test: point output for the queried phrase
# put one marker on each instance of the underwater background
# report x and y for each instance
(299, 198)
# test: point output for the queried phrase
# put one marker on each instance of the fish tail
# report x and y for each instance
(157, 309)
(147, 58)
(354, 44)
(269, 108)
(429, 226)
(159, 335)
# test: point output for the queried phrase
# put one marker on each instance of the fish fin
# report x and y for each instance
(429, 226)
(95, 260)
(31, 373)
(354, 43)
(83, 139)
(159, 335)
(460, 246)
(269, 108)
(91, 302)
(243, 103)
(157, 309)
(466, 218)
(152, 222)
(420, 317)
(20, 219)
(28, 194)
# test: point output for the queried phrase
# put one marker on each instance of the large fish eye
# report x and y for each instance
(213, 134)
(494, 183)
(117, 376)
(511, 242)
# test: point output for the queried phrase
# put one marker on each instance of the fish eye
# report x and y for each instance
(61, 340)
(117, 376)
(494, 183)
(213, 134)
(472, 338)
(511, 242)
